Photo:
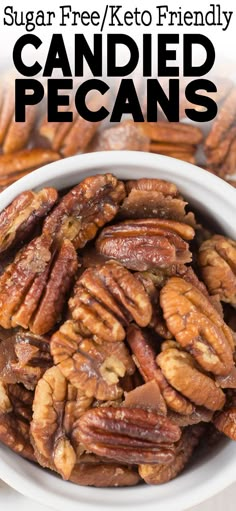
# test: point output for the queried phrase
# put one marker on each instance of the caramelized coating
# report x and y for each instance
(197, 326)
(21, 217)
(24, 357)
(86, 208)
(127, 135)
(217, 260)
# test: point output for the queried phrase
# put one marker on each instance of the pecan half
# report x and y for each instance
(21, 217)
(24, 357)
(225, 119)
(158, 473)
(146, 244)
(15, 414)
(104, 475)
(34, 287)
(107, 297)
(225, 422)
(26, 160)
(197, 326)
(127, 435)
(127, 135)
(144, 354)
(93, 369)
(181, 371)
(217, 259)
(54, 412)
(85, 209)
(173, 132)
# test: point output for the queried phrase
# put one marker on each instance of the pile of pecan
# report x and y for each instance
(36, 142)
(117, 341)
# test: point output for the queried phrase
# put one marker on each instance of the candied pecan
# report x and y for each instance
(225, 119)
(157, 321)
(84, 209)
(181, 371)
(27, 159)
(7, 103)
(18, 133)
(49, 426)
(93, 369)
(144, 355)
(217, 259)
(146, 244)
(128, 435)
(216, 158)
(33, 288)
(15, 414)
(175, 133)
(159, 473)
(153, 185)
(24, 357)
(225, 422)
(197, 326)
(127, 135)
(107, 297)
(153, 204)
(102, 475)
(19, 219)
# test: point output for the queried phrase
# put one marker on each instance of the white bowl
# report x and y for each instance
(207, 475)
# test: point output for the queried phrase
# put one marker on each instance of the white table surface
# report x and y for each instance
(10, 500)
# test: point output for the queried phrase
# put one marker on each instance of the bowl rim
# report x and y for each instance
(93, 163)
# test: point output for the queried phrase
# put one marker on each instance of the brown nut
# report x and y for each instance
(173, 133)
(104, 475)
(126, 135)
(15, 414)
(26, 160)
(86, 208)
(197, 326)
(24, 357)
(93, 369)
(20, 218)
(146, 244)
(217, 259)
(158, 473)
(108, 297)
(34, 287)
(225, 119)
(54, 413)
(128, 435)
(181, 371)
(225, 422)
(144, 354)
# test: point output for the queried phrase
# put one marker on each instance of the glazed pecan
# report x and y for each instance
(217, 259)
(197, 326)
(15, 414)
(127, 135)
(128, 435)
(225, 119)
(159, 473)
(107, 297)
(34, 287)
(85, 209)
(25, 160)
(181, 371)
(144, 354)
(173, 133)
(51, 422)
(146, 244)
(21, 217)
(225, 421)
(94, 369)
(102, 475)
(24, 357)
